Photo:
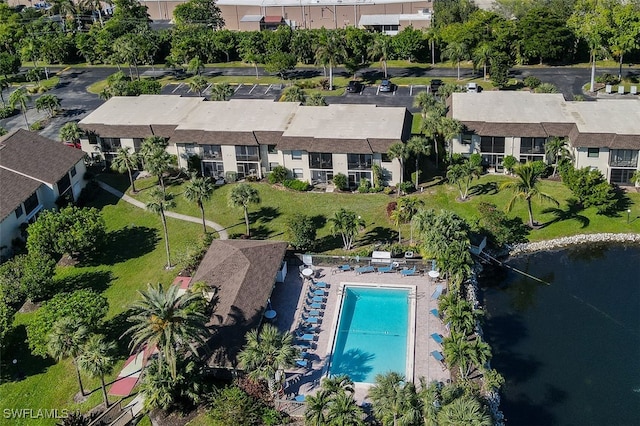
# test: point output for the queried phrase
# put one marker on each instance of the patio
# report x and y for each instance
(288, 299)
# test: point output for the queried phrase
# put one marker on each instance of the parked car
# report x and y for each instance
(354, 86)
(472, 88)
(435, 85)
(386, 86)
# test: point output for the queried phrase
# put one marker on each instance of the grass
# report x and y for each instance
(133, 256)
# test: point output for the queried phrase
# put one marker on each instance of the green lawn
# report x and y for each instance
(134, 256)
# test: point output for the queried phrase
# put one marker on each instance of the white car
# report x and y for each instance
(472, 87)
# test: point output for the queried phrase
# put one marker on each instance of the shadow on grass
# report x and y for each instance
(113, 330)
(570, 213)
(16, 347)
(264, 214)
(379, 235)
(124, 244)
(319, 221)
(489, 188)
(97, 281)
(328, 242)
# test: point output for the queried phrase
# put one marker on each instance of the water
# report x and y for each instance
(372, 333)
(569, 351)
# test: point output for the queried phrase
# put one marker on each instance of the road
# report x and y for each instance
(76, 102)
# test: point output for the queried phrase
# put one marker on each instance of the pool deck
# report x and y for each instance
(288, 300)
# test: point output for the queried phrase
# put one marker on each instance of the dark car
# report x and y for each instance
(435, 85)
(354, 87)
(386, 86)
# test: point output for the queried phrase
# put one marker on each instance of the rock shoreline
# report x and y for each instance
(524, 248)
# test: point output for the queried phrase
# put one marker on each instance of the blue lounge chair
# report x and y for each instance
(435, 313)
(305, 344)
(409, 272)
(302, 362)
(315, 299)
(314, 305)
(313, 313)
(343, 268)
(319, 284)
(311, 320)
(440, 358)
(299, 398)
(437, 292)
(318, 292)
(384, 269)
(308, 337)
(437, 338)
(365, 269)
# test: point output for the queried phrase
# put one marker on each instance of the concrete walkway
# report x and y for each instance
(222, 233)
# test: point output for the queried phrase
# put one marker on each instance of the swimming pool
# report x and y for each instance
(372, 334)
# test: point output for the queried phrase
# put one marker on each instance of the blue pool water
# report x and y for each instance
(371, 337)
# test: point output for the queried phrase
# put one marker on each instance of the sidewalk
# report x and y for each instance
(222, 233)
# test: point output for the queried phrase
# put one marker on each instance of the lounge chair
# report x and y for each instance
(437, 338)
(365, 269)
(385, 269)
(440, 358)
(437, 292)
(313, 312)
(307, 337)
(319, 284)
(315, 299)
(314, 305)
(302, 363)
(317, 292)
(409, 272)
(305, 344)
(311, 320)
(342, 268)
(435, 313)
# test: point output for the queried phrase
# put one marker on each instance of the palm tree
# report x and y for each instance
(315, 99)
(338, 384)
(462, 174)
(198, 190)
(347, 224)
(70, 132)
(126, 161)
(401, 152)
(198, 84)
(95, 5)
(221, 92)
(556, 149)
(331, 51)
(195, 66)
(155, 158)
(160, 203)
(4, 84)
(456, 52)
(267, 354)
(20, 97)
(419, 145)
(48, 102)
(526, 187)
(167, 319)
(316, 408)
(241, 196)
(430, 397)
(381, 50)
(465, 410)
(456, 349)
(425, 101)
(65, 341)
(344, 411)
(482, 56)
(461, 315)
(97, 360)
(293, 94)
(395, 401)
(455, 260)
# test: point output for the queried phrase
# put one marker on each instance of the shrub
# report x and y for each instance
(37, 126)
(231, 176)
(340, 181)
(296, 184)
(278, 175)
(388, 190)
(546, 88)
(364, 186)
(391, 207)
(301, 232)
(590, 188)
(532, 82)
(232, 406)
(324, 84)
(407, 187)
(509, 162)
(7, 111)
(499, 229)
(607, 78)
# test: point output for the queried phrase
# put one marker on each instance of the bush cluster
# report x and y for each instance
(532, 82)
(590, 188)
(7, 111)
(296, 184)
(340, 181)
(278, 175)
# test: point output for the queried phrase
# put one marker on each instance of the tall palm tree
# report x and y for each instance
(556, 149)
(381, 50)
(70, 132)
(97, 360)
(167, 319)
(344, 411)
(267, 354)
(457, 350)
(401, 152)
(482, 56)
(465, 410)
(126, 161)
(51, 103)
(316, 408)
(455, 261)
(461, 315)
(338, 384)
(198, 84)
(20, 97)
(65, 341)
(241, 196)
(331, 51)
(456, 52)
(526, 187)
(221, 92)
(430, 397)
(347, 224)
(419, 145)
(155, 158)
(425, 101)
(159, 204)
(198, 190)
(395, 401)
(95, 5)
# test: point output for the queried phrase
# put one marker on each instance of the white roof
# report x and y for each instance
(251, 18)
(240, 115)
(621, 116)
(347, 121)
(392, 19)
(143, 110)
(320, 3)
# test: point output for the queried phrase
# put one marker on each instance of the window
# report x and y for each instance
(110, 144)
(356, 177)
(272, 149)
(385, 158)
(359, 161)
(532, 145)
(93, 139)
(73, 171)
(19, 212)
(137, 143)
(64, 184)
(623, 158)
(296, 155)
(213, 169)
(210, 152)
(467, 138)
(492, 144)
(621, 176)
(593, 152)
(321, 176)
(320, 160)
(298, 174)
(31, 203)
(246, 153)
(273, 166)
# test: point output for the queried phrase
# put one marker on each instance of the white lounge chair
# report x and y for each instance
(437, 292)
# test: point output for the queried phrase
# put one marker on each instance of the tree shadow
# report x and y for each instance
(16, 347)
(113, 330)
(623, 202)
(73, 112)
(489, 188)
(328, 242)
(371, 76)
(379, 235)
(411, 72)
(354, 362)
(124, 244)
(264, 214)
(97, 281)
(303, 73)
(319, 221)
(570, 213)
(260, 232)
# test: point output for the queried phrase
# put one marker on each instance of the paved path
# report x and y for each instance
(222, 233)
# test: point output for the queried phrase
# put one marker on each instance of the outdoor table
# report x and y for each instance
(307, 272)
(270, 314)
(434, 274)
